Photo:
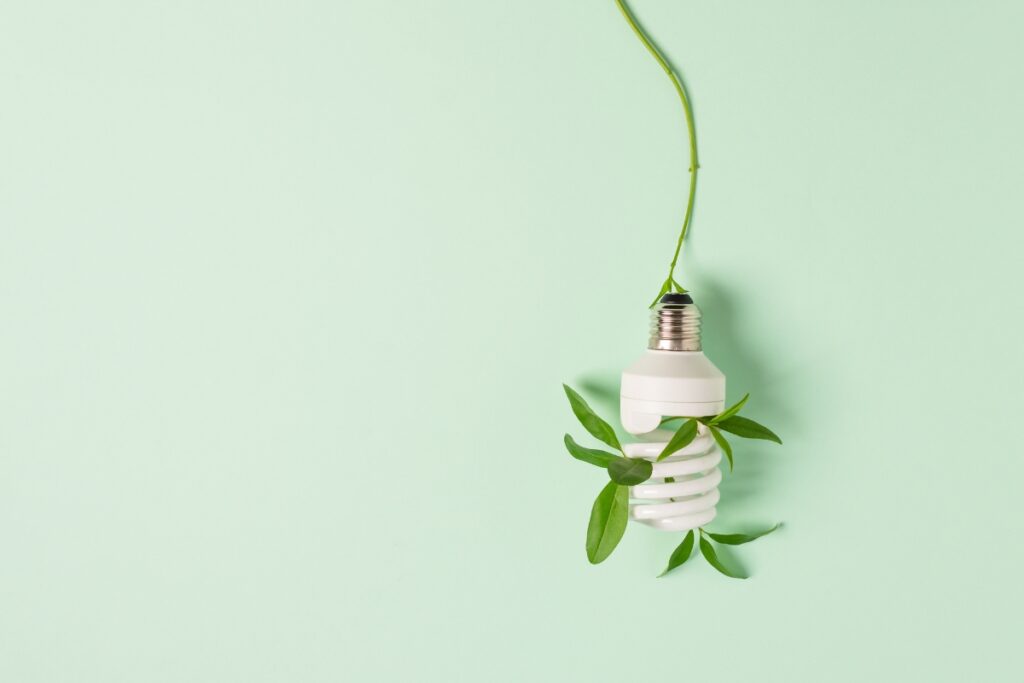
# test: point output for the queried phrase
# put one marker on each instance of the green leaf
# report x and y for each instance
(680, 555)
(729, 412)
(591, 455)
(740, 539)
(708, 551)
(664, 290)
(681, 439)
(722, 443)
(608, 520)
(593, 424)
(630, 471)
(747, 428)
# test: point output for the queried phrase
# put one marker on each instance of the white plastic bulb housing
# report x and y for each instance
(673, 377)
(669, 383)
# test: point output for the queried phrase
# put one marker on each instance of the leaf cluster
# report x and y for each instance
(729, 420)
(669, 285)
(621, 469)
(609, 514)
(684, 550)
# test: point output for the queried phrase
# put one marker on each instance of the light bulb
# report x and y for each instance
(673, 379)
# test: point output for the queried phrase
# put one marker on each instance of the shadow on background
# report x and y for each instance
(730, 345)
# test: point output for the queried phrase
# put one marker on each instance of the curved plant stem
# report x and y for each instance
(677, 82)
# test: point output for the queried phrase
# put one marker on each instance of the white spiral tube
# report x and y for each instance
(689, 500)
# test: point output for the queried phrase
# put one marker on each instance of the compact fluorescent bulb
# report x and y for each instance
(673, 379)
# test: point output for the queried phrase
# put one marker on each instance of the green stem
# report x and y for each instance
(681, 89)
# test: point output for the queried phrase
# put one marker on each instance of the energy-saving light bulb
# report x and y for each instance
(673, 379)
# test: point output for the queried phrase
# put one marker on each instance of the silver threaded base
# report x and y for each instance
(675, 324)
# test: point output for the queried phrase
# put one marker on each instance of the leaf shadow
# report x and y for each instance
(601, 389)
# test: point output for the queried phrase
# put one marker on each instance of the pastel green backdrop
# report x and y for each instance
(288, 290)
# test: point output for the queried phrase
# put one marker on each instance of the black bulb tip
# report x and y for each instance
(676, 298)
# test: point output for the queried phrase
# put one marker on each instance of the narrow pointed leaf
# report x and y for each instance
(681, 439)
(680, 555)
(665, 286)
(747, 428)
(608, 520)
(740, 539)
(591, 455)
(729, 412)
(630, 471)
(723, 444)
(708, 551)
(590, 421)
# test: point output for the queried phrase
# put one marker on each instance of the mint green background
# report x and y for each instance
(287, 291)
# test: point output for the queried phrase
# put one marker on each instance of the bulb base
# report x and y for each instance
(673, 378)
(675, 324)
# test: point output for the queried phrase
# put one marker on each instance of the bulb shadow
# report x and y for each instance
(728, 346)
(727, 343)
